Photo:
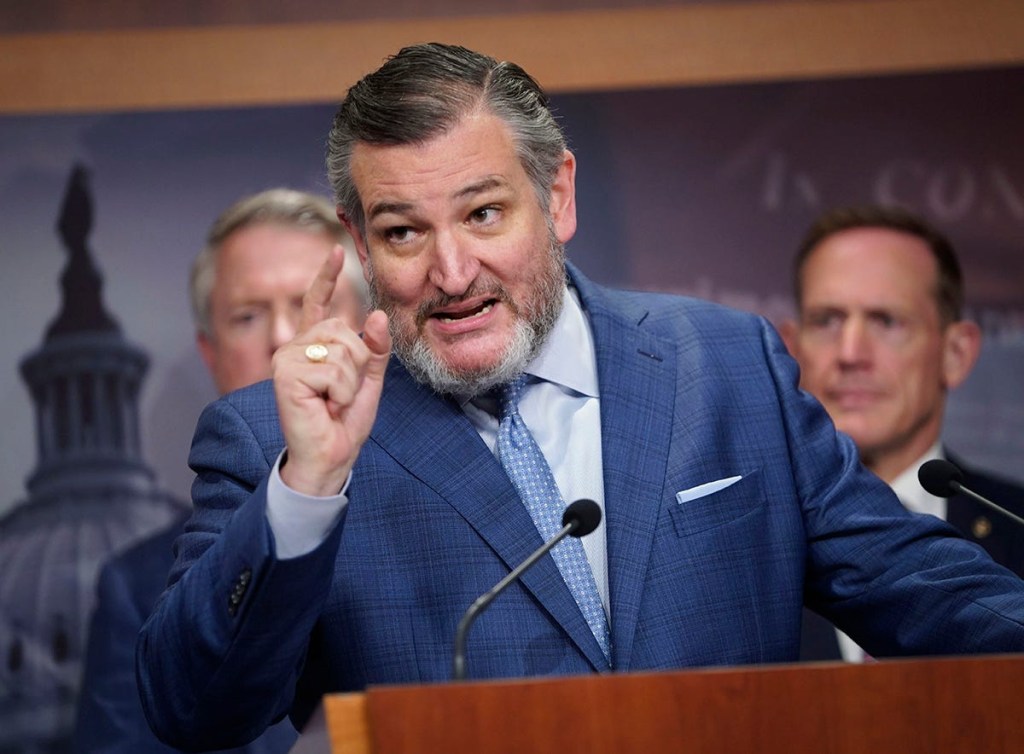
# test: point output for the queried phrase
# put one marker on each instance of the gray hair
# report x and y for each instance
(425, 90)
(284, 207)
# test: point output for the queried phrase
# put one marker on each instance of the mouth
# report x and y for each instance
(465, 313)
(854, 398)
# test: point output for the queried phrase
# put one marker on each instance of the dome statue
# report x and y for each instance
(90, 495)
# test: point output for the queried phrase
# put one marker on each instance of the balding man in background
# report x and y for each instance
(881, 340)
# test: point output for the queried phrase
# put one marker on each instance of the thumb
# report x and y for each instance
(377, 338)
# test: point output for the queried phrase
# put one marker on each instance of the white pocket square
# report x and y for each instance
(702, 490)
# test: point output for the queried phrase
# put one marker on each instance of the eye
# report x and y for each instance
(824, 320)
(484, 215)
(894, 329)
(245, 319)
(885, 320)
(398, 234)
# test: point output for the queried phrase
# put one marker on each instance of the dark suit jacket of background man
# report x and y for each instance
(109, 716)
(690, 393)
(1004, 541)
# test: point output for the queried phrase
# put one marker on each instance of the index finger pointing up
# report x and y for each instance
(316, 303)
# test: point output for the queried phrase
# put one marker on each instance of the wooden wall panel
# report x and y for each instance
(572, 51)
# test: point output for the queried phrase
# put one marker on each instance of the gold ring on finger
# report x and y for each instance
(317, 353)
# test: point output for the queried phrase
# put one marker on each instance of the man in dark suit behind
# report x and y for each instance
(246, 290)
(347, 514)
(881, 340)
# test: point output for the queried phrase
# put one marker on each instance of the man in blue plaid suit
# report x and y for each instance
(350, 510)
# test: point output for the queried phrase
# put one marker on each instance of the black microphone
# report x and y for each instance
(944, 479)
(579, 519)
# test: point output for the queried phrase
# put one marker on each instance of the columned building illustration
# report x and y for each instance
(89, 495)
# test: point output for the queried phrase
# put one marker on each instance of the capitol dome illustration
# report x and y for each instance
(90, 495)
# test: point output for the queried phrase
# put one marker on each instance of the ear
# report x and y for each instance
(790, 331)
(357, 238)
(960, 352)
(207, 351)
(563, 198)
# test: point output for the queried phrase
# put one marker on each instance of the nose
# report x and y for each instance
(854, 347)
(453, 267)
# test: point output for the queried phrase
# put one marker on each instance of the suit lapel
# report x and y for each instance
(636, 373)
(431, 437)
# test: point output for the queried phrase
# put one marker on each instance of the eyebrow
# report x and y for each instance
(384, 208)
(479, 187)
(484, 184)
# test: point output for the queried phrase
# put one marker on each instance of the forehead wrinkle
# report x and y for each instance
(478, 187)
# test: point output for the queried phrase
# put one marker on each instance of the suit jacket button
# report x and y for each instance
(238, 591)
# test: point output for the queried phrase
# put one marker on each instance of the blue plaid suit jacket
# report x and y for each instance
(691, 393)
(1000, 536)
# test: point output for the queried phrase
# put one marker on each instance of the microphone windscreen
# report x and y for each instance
(587, 515)
(937, 477)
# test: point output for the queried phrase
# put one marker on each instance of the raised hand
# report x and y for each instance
(327, 406)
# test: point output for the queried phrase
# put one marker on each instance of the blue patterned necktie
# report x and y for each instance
(526, 466)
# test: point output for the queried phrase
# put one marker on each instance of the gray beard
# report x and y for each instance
(527, 339)
(428, 370)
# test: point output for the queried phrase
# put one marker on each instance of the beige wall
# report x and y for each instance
(580, 50)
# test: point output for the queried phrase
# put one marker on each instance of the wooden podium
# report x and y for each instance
(907, 706)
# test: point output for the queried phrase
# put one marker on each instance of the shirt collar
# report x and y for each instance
(567, 356)
(909, 490)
